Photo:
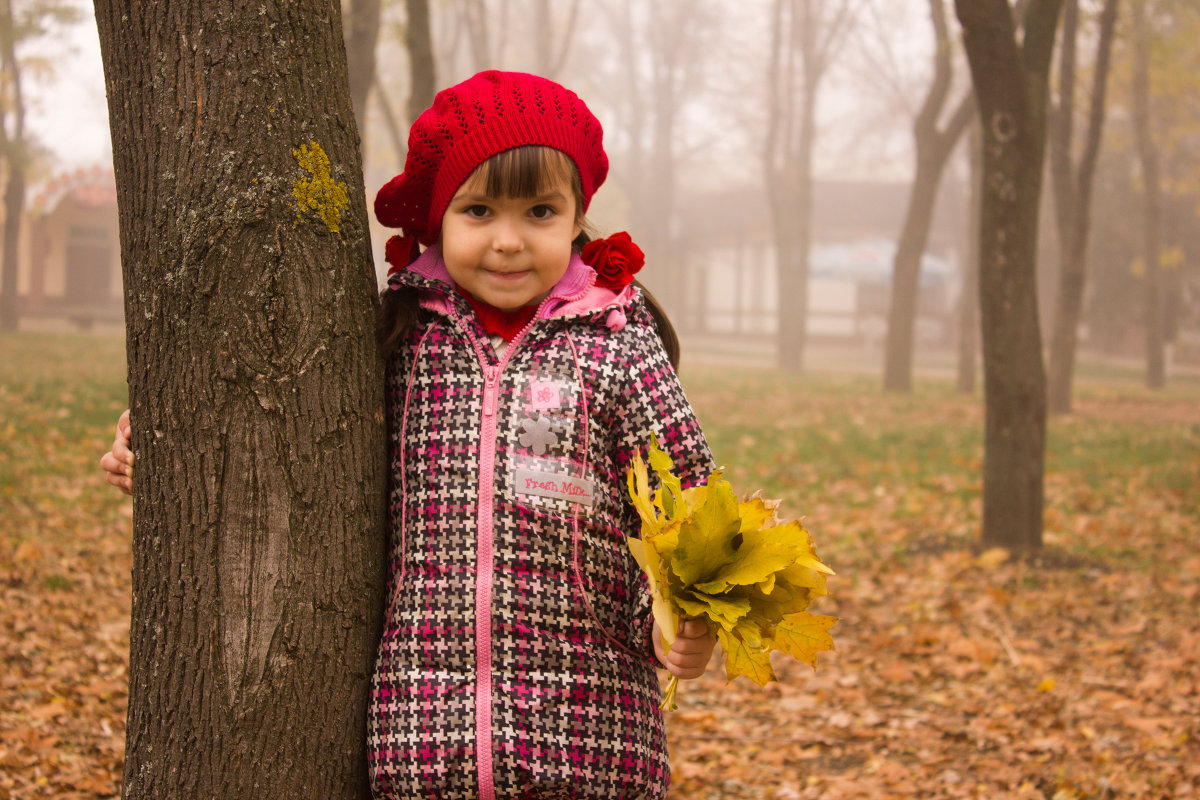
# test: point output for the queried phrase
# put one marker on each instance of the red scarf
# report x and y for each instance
(498, 322)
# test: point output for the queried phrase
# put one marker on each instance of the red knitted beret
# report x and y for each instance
(473, 121)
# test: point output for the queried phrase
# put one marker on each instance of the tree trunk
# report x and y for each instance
(14, 209)
(13, 148)
(1073, 199)
(968, 302)
(419, 40)
(803, 43)
(362, 32)
(933, 146)
(256, 393)
(1011, 84)
(1152, 203)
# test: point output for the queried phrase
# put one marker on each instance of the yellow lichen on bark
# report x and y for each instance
(319, 192)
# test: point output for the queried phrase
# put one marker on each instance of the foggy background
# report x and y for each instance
(683, 90)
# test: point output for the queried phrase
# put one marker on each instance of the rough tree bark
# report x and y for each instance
(256, 393)
(1073, 195)
(934, 146)
(1156, 376)
(1011, 79)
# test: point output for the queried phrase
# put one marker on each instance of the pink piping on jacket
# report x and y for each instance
(575, 293)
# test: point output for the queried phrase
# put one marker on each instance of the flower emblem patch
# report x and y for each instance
(537, 435)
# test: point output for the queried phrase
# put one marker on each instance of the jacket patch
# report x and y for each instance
(544, 395)
(555, 485)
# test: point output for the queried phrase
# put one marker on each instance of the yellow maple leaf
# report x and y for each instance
(803, 635)
(747, 658)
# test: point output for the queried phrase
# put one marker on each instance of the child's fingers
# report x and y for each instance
(692, 629)
(692, 646)
(120, 481)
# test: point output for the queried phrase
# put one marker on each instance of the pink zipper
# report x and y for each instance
(485, 546)
(484, 550)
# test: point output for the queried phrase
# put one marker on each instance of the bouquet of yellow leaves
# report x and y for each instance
(730, 563)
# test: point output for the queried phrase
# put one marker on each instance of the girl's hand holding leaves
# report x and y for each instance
(731, 564)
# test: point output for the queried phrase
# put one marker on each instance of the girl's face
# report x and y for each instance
(509, 251)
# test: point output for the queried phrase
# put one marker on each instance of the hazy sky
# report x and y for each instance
(68, 110)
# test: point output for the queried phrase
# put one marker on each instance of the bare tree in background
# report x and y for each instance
(552, 42)
(934, 145)
(1147, 151)
(256, 395)
(20, 23)
(1011, 76)
(805, 36)
(1073, 193)
(418, 39)
(661, 53)
(362, 18)
(968, 300)
(418, 42)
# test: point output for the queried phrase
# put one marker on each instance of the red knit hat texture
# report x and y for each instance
(469, 123)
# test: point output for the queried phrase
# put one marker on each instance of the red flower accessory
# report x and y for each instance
(616, 260)
(400, 251)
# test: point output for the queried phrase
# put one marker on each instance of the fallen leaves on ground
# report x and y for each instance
(957, 674)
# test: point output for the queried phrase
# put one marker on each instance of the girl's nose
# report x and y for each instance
(507, 238)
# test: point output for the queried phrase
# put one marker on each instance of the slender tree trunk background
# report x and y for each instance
(805, 36)
(362, 33)
(933, 148)
(256, 394)
(419, 42)
(1011, 86)
(13, 148)
(1073, 196)
(1152, 200)
(968, 305)
(14, 210)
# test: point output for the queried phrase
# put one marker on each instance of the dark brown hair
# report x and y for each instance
(520, 172)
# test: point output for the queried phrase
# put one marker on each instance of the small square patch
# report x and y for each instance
(544, 396)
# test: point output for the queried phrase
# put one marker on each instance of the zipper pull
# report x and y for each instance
(490, 390)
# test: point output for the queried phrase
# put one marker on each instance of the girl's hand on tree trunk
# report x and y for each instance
(118, 462)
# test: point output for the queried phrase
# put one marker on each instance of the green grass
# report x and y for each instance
(60, 395)
(870, 469)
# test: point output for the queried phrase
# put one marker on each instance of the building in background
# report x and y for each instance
(729, 257)
(69, 255)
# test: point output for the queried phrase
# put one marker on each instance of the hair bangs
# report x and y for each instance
(529, 171)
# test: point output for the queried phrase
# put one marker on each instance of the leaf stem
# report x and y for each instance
(668, 701)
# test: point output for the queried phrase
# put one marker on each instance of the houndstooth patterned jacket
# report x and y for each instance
(516, 659)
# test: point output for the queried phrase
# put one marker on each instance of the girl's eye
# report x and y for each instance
(477, 211)
(541, 212)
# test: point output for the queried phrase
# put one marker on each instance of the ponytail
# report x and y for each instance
(397, 314)
(666, 331)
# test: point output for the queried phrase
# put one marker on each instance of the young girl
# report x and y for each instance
(525, 370)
